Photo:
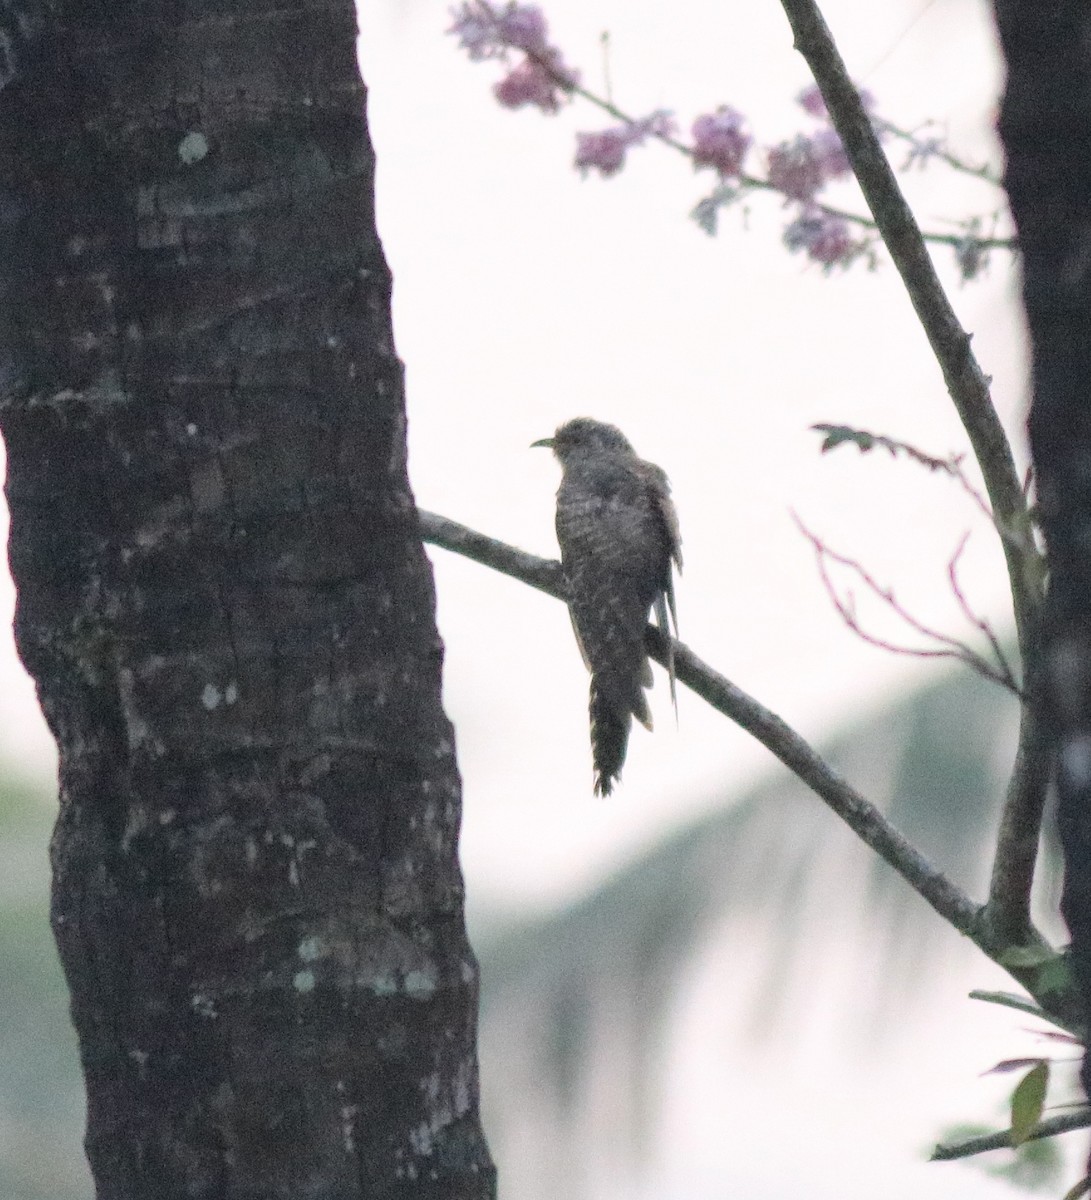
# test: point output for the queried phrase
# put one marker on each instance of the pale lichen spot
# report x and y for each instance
(211, 696)
(203, 1005)
(192, 148)
(303, 981)
(348, 1126)
(384, 985)
(231, 693)
(311, 948)
(421, 1139)
(420, 985)
(191, 429)
(462, 1094)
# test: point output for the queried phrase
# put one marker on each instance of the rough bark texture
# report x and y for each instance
(225, 604)
(1044, 123)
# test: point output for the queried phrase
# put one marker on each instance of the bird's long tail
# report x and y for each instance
(609, 740)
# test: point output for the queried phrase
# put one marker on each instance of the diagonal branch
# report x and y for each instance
(1050, 1127)
(862, 817)
(1009, 892)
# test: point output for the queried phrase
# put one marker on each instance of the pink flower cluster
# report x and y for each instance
(800, 169)
(720, 141)
(605, 150)
(823, 237)
(541, 78)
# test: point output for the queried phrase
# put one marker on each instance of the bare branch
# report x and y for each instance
(1029, 967)
(863, 818)
(978, 622)
(1051, 1127)
(949, 647)
(969, 391)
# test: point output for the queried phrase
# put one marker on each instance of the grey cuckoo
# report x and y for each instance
(618, 533)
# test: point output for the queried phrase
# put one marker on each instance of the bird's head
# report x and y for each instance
(584, 436)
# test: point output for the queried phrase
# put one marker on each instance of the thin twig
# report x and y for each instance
(1050, 1127)
(865, 441)
(969, 391)
(862, 817)
(978, 622)
(934, 148)
(950, 647)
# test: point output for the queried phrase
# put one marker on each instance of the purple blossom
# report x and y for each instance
(830, 152)
(487, 32)
(605, 150)
(476, 32)
(524, 27)
(797, 168)
(531, 82)
(823, 237)
(720, 141)
(811, 101)
(657, 124)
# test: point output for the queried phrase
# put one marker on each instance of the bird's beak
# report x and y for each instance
(547, 442)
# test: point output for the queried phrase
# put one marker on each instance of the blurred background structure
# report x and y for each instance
(702, 987)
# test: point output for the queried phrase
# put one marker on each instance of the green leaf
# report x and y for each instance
(1023, 1004)
(1027, 1102)
(1027, 956)
(836, 435)
(1056, 976)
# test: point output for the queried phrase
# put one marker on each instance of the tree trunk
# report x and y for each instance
(225, 605)
(1045, 120)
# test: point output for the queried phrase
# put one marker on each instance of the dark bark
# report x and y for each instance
(225, 604)
(1045, 119)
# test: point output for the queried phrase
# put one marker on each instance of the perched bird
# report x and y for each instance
(618, 533)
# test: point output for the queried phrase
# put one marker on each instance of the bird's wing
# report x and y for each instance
(604, 551)
(659, 499)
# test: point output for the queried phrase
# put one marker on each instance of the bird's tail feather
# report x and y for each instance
(609, 740)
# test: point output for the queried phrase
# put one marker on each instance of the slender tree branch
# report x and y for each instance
(862, 817)
(969, 390)
(979, 622)
(950, 647)
(1051, 1127)
(922, 149)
